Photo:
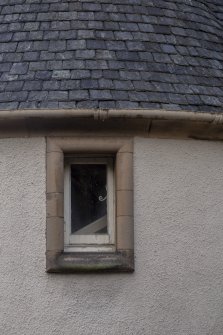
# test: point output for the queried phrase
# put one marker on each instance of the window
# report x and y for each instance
(89, 204)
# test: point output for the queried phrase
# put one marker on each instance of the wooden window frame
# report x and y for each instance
(58, 259)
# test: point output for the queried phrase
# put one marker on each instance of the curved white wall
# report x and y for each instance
(177, 287)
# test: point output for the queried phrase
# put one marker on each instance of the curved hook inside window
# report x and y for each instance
(101, 198)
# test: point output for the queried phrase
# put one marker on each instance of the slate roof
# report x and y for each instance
(111, 54)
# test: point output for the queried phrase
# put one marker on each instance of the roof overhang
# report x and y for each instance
(143, 122)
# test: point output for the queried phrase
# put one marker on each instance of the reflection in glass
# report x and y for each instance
(88, 199)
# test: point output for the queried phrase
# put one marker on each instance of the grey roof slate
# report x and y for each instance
(111, 54)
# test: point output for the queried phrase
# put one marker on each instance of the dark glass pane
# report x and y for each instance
(88, 199)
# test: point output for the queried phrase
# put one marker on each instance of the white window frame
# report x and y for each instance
(93, 242)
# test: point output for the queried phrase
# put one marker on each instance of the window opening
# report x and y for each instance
(89, 202)
(88, 199)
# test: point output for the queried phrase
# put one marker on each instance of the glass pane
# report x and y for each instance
(88, 199)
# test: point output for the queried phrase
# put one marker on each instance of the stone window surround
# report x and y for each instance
(122, 260)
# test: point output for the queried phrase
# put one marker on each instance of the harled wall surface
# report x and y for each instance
(177, 287)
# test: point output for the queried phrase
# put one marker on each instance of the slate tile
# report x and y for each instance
(57, 7)
(177, 98)
(31, 26)
(112, 25)
(135, 46)
(85, 54)
(96, 74)
(46, 55)
(168, 48)
(10, 18)
(172, 107)
(89, 84)
(58, 95)
(120, 95)
(194, 99)
(78, 94)
(8, 77)
(130, 26)
(100, 95)
(146, 56)
(118, 65)
(140, 85)
(211, 100)
(65, 34)
(43, 75)
(101, 16)
(96, 64)
(58, 25)
(38, 95)
(115, 45)
(150, 105)
(14, 86)
(48, 104)
(31, 56)
(61, 74)
(28, 105)
(79, 74)
(110, 74)
(76, 44)
(8, 47)
(9, 105)
(5, 67)
(104, 54)
(53, 65)
(75, 6)
(32, 85)
(35, 66)
(130, 75)
(105, 35)
(14, 26)
(39, 46)
(105, 84)
(106, 104)
(86, 34)
(123, 35)
(86, 16)
(19, 68)
(51, 35)
(178, 59)
(87, 104)
(123, 85)
(127, 104)
(64, 55)
(56, 46)
(67, 104)
(13, 96)
(95, 44)
(2, 86)
(95, 24)
(146, 27)
(51, 85)
(70, 84)
(127, 55)
(94, 7)
(163, 58)
(6, 37)
(74, 64)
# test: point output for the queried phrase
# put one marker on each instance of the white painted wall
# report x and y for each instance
(177, 287)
